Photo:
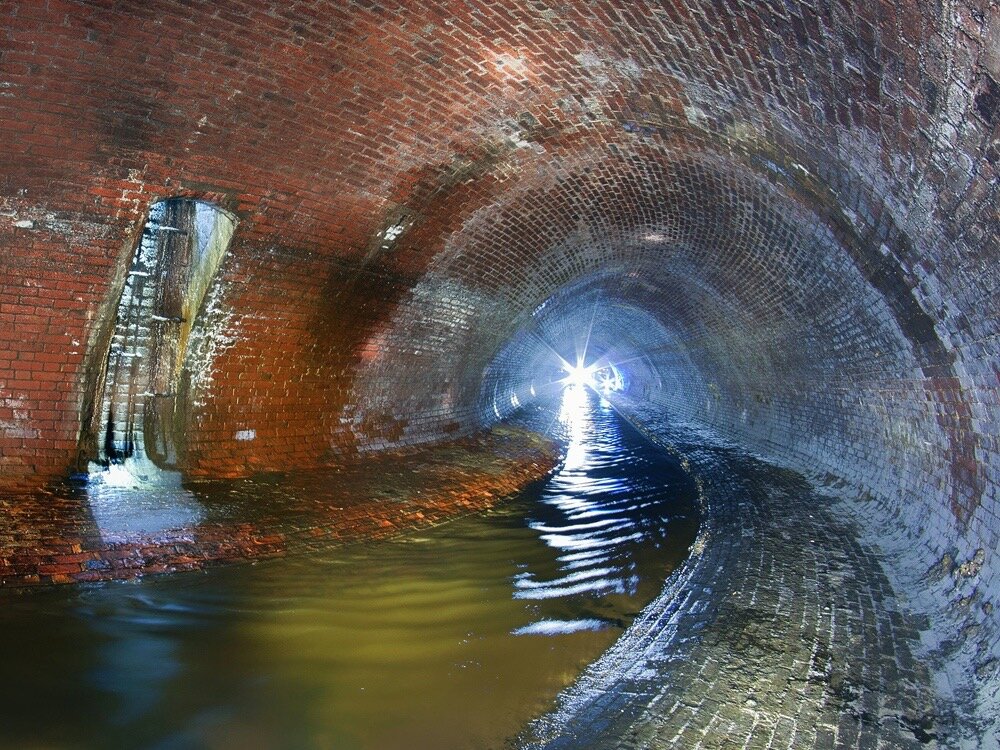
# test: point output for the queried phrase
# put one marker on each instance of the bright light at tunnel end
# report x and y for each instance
(603, 378)
(579, 376)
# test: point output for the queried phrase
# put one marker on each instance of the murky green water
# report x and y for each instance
(451, 639)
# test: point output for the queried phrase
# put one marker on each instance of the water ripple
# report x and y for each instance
(607, 505)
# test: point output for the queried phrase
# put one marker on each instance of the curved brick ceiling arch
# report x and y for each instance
(787, 212)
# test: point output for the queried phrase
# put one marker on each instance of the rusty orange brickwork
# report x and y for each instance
(779, 216)
(53, 538)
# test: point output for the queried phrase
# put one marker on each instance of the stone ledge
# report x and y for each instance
(52, 538)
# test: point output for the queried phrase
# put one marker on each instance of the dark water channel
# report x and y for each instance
(452, 638)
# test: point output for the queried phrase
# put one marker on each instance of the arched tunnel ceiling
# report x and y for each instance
(785, 211)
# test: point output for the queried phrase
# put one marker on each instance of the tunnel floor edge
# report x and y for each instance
(72, 534)
(782, 630)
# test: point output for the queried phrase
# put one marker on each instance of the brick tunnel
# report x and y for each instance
(779, 220)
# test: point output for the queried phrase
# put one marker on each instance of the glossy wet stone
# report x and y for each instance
(105, 532)
(781, 631)
(451, 636)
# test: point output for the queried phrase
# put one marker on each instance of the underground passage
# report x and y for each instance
(499, 374)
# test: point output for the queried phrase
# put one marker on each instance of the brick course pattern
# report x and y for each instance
(53, 538)
(784, 635)
(782, 216)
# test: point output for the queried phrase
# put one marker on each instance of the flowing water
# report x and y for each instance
(453, 638)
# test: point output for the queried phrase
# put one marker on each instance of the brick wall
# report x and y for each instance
(786, 212)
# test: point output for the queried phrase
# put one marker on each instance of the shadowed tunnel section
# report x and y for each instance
(778, 219)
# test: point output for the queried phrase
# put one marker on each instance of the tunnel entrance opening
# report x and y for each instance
(603, 378)
(779, 606)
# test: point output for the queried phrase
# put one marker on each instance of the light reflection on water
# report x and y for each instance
(454, 638)
(595, 511)
(134, 499)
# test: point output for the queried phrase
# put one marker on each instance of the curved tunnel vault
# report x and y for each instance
(779, 219)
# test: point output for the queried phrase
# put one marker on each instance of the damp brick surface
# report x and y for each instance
(53, 538)
(786, 634)
(780, 218)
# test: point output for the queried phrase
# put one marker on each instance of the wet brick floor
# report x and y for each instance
(52, 537)
(780, 632)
